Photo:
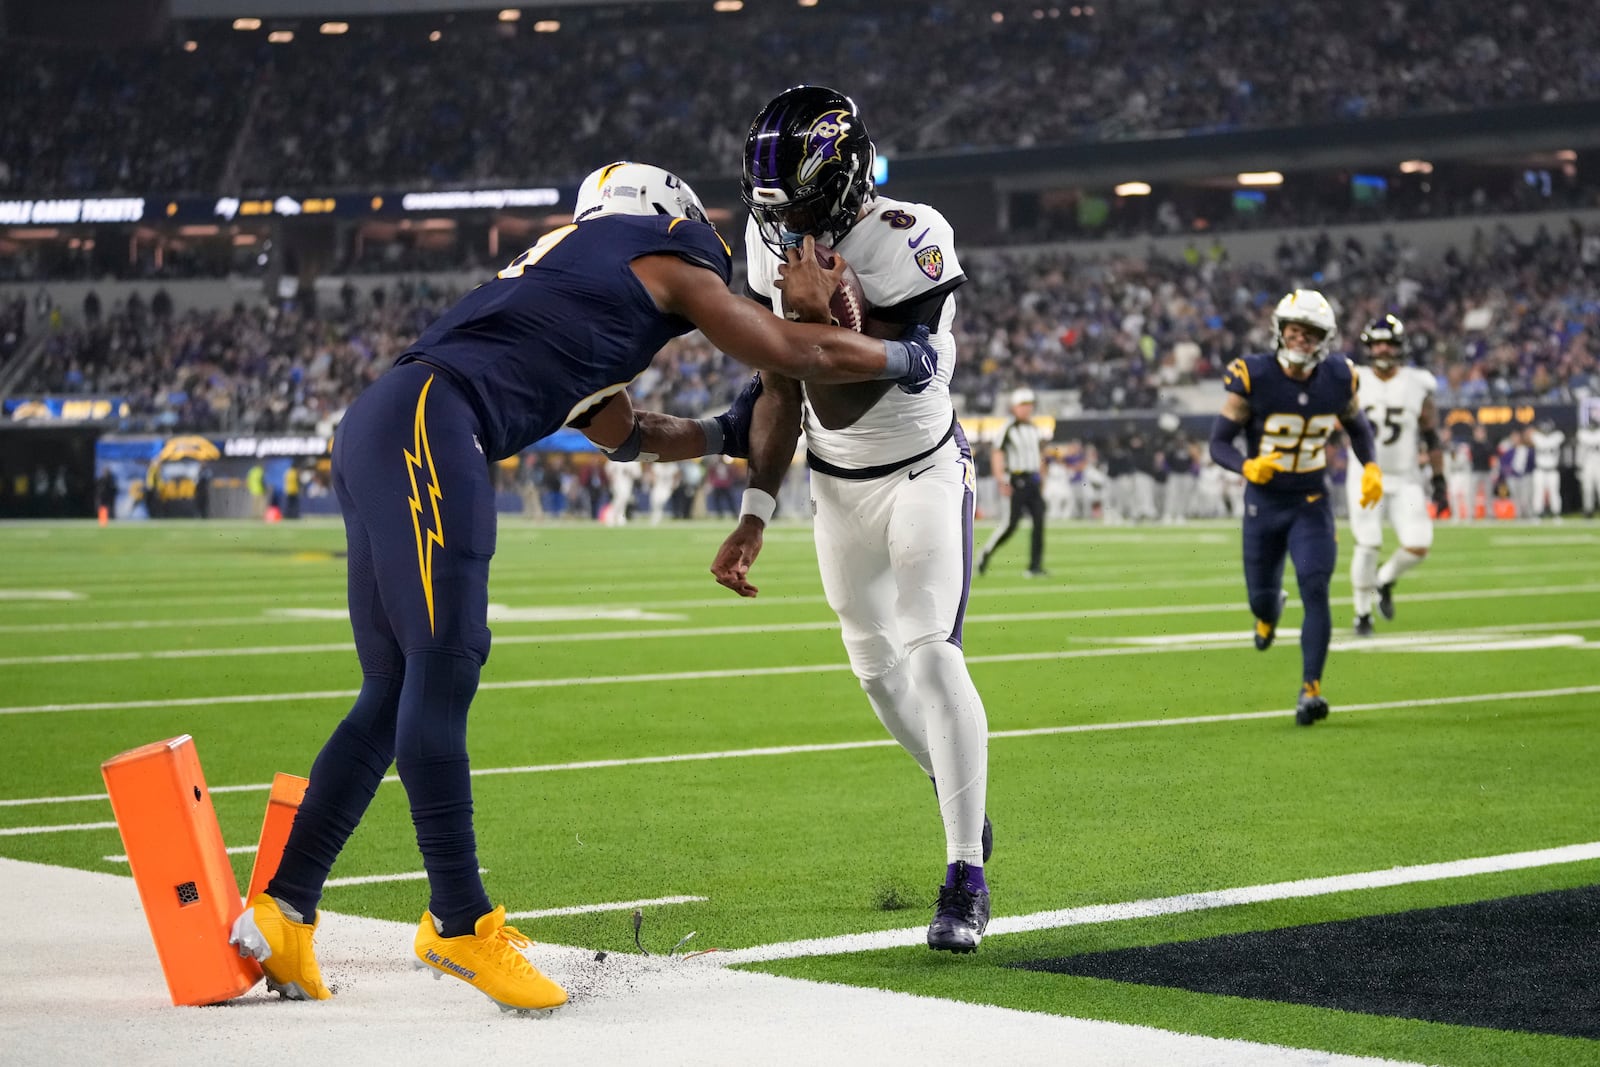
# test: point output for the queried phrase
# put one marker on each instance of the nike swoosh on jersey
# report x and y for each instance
(913, 242)
(914, 475)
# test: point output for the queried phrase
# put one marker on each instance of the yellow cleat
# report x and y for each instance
(283, 948)
(491, 961)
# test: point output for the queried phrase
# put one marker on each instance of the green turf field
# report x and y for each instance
(615, 645)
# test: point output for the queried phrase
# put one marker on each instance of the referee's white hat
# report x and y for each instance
(1021, 396)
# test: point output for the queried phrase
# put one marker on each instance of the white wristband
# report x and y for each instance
(759, 503)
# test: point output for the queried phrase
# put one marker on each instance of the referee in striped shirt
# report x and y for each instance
(1016, 468)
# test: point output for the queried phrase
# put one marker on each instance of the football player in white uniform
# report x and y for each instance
(1546, 441)
(1399, 403)
(1589, 464)
(892, 480)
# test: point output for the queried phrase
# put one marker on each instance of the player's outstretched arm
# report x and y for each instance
(774, 431)
(757, 338)
(626, 435)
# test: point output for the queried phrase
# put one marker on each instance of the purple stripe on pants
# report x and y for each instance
(968, 505)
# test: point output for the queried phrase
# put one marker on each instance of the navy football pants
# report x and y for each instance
(1299, 526)
(420, 525)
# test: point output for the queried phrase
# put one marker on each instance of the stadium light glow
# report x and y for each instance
(247, 24)
(808, 3)
(510, 14)
(997, 16)
(728, 5)
(1260, 177)
(333, 29)
(1567, 155)
(190, 46)
(1416, 166)
(1133, 189)
(547, 26)
(280, 36)
(435, 35)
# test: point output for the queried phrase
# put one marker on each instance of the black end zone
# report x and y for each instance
(1519, 963)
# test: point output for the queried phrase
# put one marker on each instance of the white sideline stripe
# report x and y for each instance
(232, 850)
(585, 909)
(846, 746)
(1175, 905)
(40, 594)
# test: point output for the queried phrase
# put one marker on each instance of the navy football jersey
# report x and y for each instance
(564, 326)
(1294, 418)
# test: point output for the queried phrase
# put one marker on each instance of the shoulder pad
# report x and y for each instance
(1236, 377)
(700, 243)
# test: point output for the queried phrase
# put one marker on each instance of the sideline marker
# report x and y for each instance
(288, 791)
(185, 881)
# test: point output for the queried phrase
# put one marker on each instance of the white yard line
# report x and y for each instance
(1185, 902)
(375, 879)
(678, 632)
(19, 831)
(616, 905)
(1035, 590)
(607, 679)
(232, 850)
(846, 746)
(40, 594)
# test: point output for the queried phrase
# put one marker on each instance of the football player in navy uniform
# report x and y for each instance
(552, 341)
(1287, 404)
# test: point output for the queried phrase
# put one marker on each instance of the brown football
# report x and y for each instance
(839, 406)
(849, 303)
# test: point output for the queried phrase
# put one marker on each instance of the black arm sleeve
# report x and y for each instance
(923, 309)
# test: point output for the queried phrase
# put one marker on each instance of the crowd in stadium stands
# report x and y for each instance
(135, 120)
(1499, 320)
(384, 104)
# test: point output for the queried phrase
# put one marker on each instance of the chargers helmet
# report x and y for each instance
(1387, 330)
(807, 167)
(1311, 309)
(624, 188)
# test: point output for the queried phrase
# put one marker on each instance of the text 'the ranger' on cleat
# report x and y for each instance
(960, 916)
(282, 945)
(1311, 707)
(490, 960)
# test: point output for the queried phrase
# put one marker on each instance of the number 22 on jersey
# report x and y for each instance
(1302, 441)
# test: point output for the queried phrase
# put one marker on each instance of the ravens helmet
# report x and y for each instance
(1390, 332)
(807, 167)
(1310, 309)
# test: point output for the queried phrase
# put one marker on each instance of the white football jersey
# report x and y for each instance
(1458, 458)
(1394, 408)
(900, 251)
(1547, 449)
(1589, 446)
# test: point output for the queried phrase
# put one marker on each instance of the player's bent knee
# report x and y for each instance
(1420, 553)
